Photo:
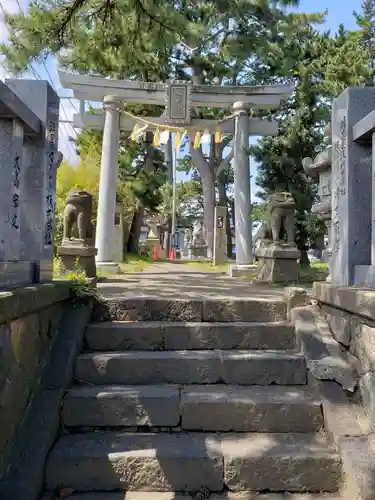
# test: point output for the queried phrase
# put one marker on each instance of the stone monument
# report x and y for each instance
(198, 246)
(220, 235)
(277, 253)
(29, 158)
(320, 170)
(77, 251)
(152, 241)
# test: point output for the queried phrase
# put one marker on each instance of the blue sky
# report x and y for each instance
(339, 11)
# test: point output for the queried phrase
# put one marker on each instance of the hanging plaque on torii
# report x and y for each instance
(178, 103)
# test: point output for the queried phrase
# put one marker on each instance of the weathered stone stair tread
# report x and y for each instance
(244, 367)
(207, 408)
(250, 409)
(185, 462)
(262, 306)
(148, 335)
(228, 495)
(122, 406)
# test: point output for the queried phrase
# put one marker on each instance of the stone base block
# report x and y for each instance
(241, 271)
(44, 270)
(77, 258)
(364, 276)
(17, 273)
(108, 267)
(198, 252)
(278, 263)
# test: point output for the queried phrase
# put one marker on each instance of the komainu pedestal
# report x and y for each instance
(77, 251)
(278, 254)
(198, 246)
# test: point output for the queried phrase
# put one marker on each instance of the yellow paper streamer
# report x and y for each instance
(177, 142)
(197, 140)
(137, 131)
(156, 141)
(218, 137)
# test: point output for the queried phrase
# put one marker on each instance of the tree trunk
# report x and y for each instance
(304, 259)
(223, 202)
(135, 230)
(168, 157)
(137, 222)
(208, 212)
(208, 186)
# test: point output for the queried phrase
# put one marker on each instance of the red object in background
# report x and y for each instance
(155, 253)
(172, 255)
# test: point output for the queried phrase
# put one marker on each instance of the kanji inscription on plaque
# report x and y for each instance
(178, 103)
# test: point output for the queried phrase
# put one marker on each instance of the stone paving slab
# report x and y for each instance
(170, 281)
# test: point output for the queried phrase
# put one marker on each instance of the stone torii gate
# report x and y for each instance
(179, 98)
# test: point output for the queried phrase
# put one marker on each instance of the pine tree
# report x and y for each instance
(366, 23)
(320, 68)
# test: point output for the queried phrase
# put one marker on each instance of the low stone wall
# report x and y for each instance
(350, 313)
(36, 348)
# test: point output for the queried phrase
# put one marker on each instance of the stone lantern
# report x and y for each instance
(319, 170)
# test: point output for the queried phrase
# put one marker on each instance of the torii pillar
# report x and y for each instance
(242, 197)
(107, 186)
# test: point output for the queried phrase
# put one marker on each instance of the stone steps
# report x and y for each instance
(157, 336)
(198, 408)
(191, 367)
(135, 495)
(186, 462)
(265, 306)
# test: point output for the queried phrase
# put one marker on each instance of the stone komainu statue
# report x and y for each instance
(77, 216)
(281, 218)
(188, 237)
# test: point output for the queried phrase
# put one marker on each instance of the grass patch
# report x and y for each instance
(318, 271)
(206, 266)
(135, 263)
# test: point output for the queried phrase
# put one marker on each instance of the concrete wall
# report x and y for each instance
(40, 335)
(350, 313)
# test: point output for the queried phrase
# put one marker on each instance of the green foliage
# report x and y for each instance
(320, 66)
(82, 291)
(258, 212)
(366, 35)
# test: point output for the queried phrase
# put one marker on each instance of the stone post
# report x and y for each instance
(118, 238)
(38, 187)
(107, 186)
(351, 186)
(220, 235)
(242, 199)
